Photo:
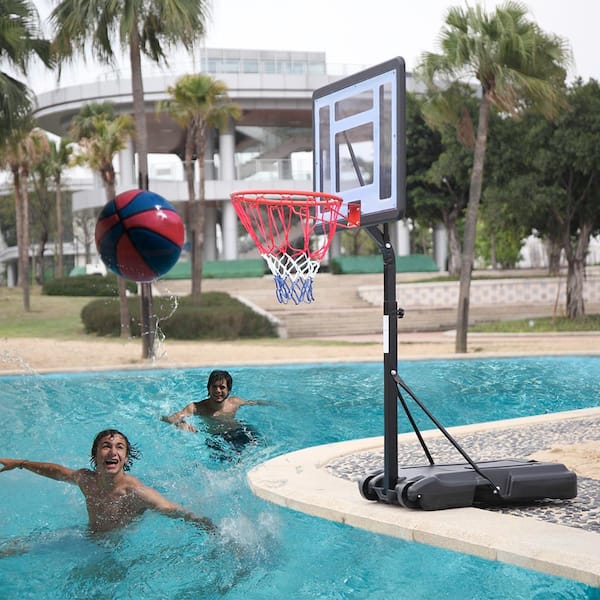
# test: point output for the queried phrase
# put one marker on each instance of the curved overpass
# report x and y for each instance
(273, 89)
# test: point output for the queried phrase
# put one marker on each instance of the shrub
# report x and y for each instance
(219, 317)
(86, 285)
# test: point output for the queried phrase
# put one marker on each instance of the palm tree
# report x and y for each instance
(51, 168)
(142, 27)
(198, 103)
(19, 42)
(25, 149)
(59, 158)
(516, 65)
(101, 134)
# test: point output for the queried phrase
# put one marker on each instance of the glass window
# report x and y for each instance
(297, 68)
(269, 66)
(250, 65)
(231, 65)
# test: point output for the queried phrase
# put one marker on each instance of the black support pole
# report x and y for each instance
(147, 321)
(390, 360)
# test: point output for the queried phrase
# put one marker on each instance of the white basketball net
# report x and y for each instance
(293, 276)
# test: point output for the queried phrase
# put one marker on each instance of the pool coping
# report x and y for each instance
(302, 481)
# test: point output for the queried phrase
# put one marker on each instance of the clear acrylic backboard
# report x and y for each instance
(359, 142)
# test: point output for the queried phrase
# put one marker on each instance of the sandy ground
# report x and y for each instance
(26, 355)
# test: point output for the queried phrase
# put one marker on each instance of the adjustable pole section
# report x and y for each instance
(390, 360)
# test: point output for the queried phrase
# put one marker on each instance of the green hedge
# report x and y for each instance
(220, 269)
(219, 317)
(413, 263)
(86, 285)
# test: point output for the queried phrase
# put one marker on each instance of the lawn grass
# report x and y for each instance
(58, 317)
(540, 325)
(49, 317)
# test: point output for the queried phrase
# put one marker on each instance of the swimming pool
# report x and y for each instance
(264, 551)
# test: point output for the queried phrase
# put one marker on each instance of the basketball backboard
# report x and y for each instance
(359, 142)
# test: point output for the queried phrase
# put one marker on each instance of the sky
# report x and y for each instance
(362, 33)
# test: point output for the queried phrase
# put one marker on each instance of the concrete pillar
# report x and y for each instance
(211, 171)
(210, 232)
(440, 246)
(335, 249)
(227, 173)
(127, 168)
(402, 235)
(230, 232)
(11, 274)
(227, 153)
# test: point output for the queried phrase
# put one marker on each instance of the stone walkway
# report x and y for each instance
(582, 511)
(559, 537)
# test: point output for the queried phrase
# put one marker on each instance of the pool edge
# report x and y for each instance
(300, 481)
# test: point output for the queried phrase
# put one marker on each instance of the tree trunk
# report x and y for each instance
(554, 250)
(139, 112)
(576, 274)
(493, 259)
(22, 244)
(468, 255)
(124, 316)
(188, 167)
(453, 245)
(39, 259)
(60, 272)
(25, 238)
(141, 138)
(198, 218)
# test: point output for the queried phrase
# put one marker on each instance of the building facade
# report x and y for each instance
(269, 147)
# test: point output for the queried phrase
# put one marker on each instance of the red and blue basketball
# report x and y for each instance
(139, 235)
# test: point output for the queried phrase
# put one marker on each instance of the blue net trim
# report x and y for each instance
(293, 277)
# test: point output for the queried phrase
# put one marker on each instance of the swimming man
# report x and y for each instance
(218, 409)
(113, 497)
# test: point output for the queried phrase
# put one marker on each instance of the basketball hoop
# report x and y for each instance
(292, 231)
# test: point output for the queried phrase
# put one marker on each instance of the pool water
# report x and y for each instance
(263, 551)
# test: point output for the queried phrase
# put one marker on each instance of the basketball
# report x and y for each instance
(139, 235)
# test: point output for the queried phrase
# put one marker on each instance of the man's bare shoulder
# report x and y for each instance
(84, 476)
(201, 407)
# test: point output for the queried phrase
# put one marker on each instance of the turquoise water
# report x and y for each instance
(264, 551)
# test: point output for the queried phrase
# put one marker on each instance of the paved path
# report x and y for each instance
(340, 312)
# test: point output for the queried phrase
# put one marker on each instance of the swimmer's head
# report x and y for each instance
(218, 376)
(132, 451)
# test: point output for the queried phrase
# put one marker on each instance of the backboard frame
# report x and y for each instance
(359, 130)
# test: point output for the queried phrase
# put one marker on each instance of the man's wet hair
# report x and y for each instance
(133, 453)
(217, 376)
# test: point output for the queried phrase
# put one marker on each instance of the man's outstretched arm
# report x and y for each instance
(153, 500)
(46, 469)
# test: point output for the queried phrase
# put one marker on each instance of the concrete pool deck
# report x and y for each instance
(555, 537)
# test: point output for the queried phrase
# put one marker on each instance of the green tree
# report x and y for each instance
(515, 64)
(101, 134)
(568, 163)
(514, 193)
(22, 152)
(59, 158)
(450, 112)
(48, 221)
(141, 27)
(20, 41)
(198, 103)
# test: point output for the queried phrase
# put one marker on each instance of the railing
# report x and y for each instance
(257, 169)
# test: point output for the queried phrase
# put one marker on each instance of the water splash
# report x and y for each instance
(9, 357)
